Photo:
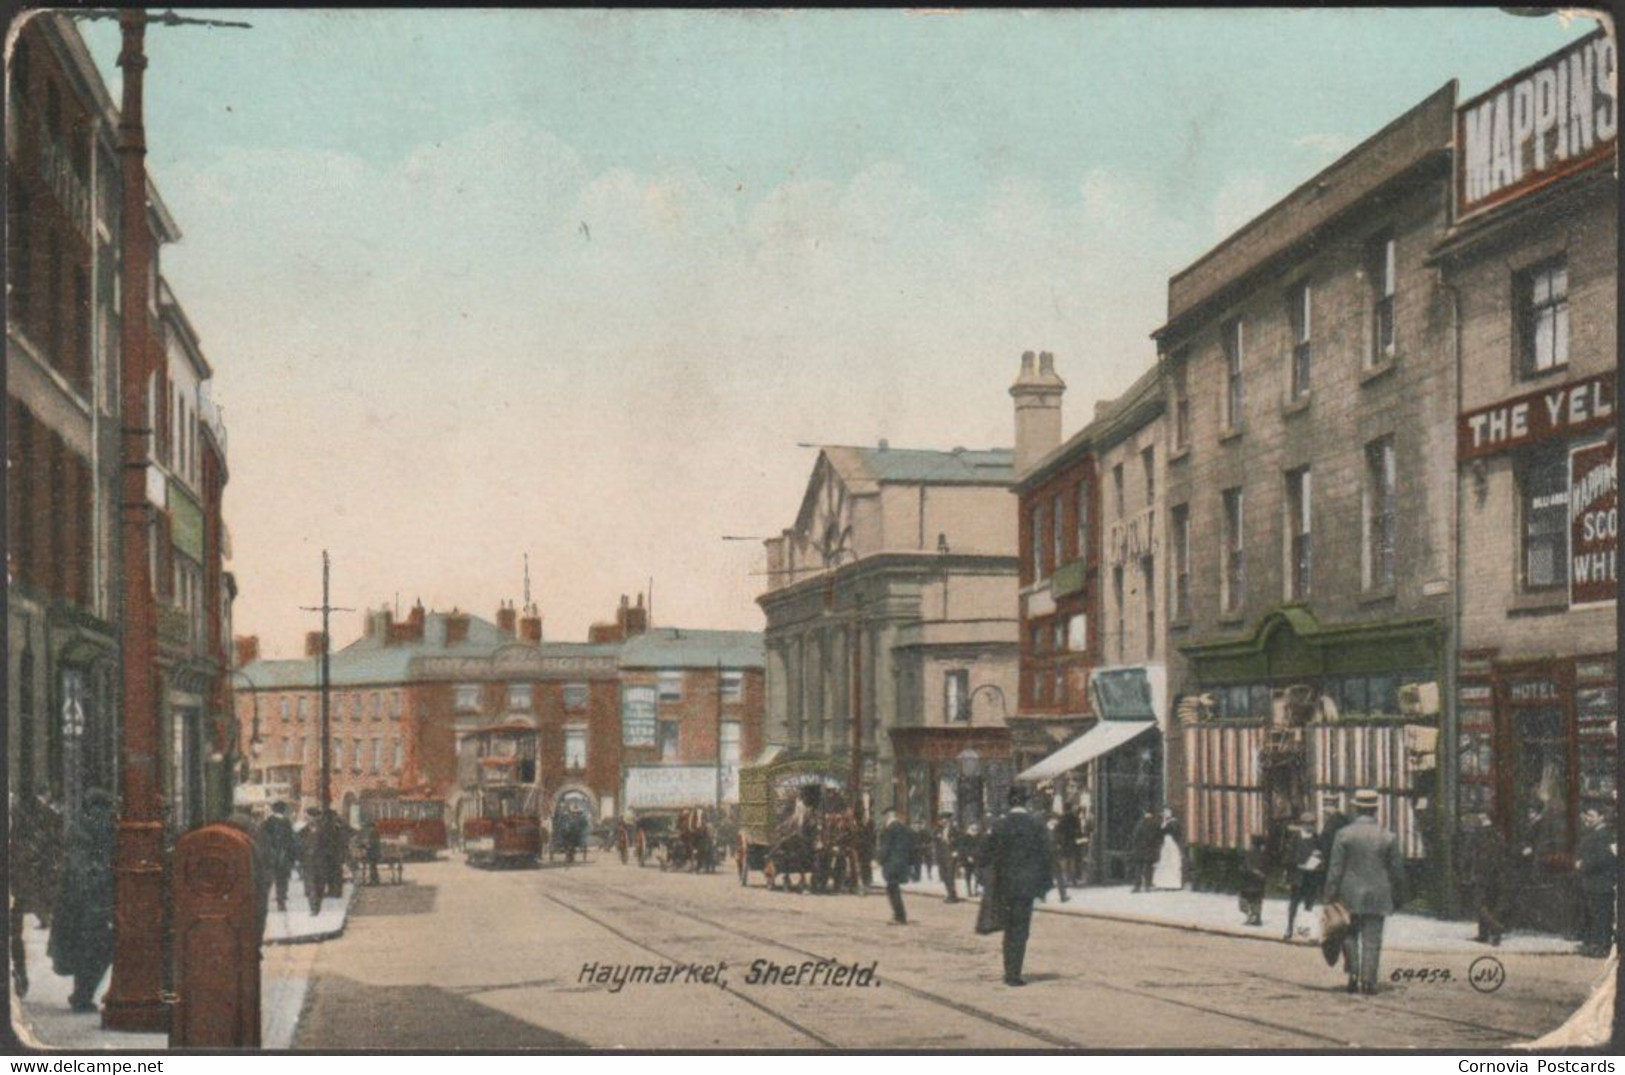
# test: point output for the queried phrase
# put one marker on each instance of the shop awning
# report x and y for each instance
(1103, 738)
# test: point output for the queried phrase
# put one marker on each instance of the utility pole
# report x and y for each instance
(135, 998)
(326, 608)
(719, 741)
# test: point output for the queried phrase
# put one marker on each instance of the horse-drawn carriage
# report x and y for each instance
(412, 825)
(797, 822)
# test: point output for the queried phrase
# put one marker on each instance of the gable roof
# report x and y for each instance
(367, 660)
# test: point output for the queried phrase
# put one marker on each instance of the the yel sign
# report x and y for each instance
(1545, 122)
(1593, 524)
(1560, 411)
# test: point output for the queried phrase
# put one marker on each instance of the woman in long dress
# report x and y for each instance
(1170, 869)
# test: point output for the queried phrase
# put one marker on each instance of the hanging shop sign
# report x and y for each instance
(1593, 524)
(1543, 123)
(1560, 411)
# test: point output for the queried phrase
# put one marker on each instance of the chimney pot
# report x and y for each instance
(1026, 362)
(246, 649)
(507, 617)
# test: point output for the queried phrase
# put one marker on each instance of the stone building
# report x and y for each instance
(892, 597)
(1310, 481)
(1531, 268)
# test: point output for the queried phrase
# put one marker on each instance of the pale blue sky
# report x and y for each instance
(804, 226)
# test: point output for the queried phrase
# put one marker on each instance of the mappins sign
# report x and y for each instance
(1593, 524)
(1545, 122)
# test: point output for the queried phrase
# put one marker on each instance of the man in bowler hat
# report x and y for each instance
(896, 863)
(1024, 863)
(1367, 876)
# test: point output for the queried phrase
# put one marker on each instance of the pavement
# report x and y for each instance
(460, 958)
(1216, 912)
(44, 1020)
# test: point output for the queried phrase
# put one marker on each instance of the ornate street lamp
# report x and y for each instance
(970, 769)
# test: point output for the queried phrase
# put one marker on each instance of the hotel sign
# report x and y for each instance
(1543, 123)
(1560, 411)
(1593, 524)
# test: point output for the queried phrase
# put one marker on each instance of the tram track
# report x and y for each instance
(1048, 1038)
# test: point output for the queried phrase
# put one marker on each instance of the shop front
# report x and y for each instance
(963, 771)
(1296, 718)
(1114, 771)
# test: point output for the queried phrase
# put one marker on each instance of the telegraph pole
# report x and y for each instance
(719, 741)
(326, 608)
(135, 999)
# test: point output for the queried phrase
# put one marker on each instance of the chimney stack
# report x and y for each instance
(530, 629)
(245, 650)
(1037, 392)
(456, 627)
(313, 643)
(507, 619)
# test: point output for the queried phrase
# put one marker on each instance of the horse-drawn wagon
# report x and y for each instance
(796, 820)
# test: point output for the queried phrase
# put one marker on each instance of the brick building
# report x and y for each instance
(414, 705)
(1092, 629)
(1310, 478)
(892, 598)
(1531, 265)
(63, 420)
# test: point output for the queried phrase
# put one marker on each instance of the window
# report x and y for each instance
(1380, 513)
(1234, 396)
(519, 697)
(575, 747)
(466, 696)
(355, 706)
(1117, 488)
(1148, 460)
(1117, 602)
(1544, 489)
(956, 696)
(671, 686)
(1181, 517)
(1060, 687)
(1233, 580)
(1035, 638)
(1148, 577)
(1035, 547)
(304, 707)
(1077, 633)
(575, 696)
(335, 753)
(1299, 554)
(1299, 306)
(1182, 403)
(394, 705)
(730, 744)
(374, 705)
(355, 755)
(1382, 269)
(670, 738)
(377, 755)
(1058, 535)
(1083, 519)
(733, 685)
(395, 756)
(286, 708)
(1543, 307)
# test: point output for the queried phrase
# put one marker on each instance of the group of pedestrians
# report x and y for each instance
(1014, 865)
(1511, 883)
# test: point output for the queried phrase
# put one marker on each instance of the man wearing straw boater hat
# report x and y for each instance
(1367, 876)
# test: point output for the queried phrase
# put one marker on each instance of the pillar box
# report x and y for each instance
(217, 941)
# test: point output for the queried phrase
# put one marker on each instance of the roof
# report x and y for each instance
(680, 647)
(1420, 134)
(367, 660)
(1114, 420)
(924, 466)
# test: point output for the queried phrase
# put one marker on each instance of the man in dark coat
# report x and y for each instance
(1020, 854)
(968, 851)
(278, 850)
(312, 860)
(1057, 855)
(1144, 845)
(1069, 835)
(374, 845)
(945, 848)
(81, 943)
(1367, 876)
(1484, 868)
(896, 848)
(1308, 869)
(1597, 861)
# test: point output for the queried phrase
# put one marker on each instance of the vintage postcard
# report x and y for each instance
(807, 530)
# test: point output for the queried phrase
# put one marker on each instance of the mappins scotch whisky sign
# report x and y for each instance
(1545, 122)
(1594, 524)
